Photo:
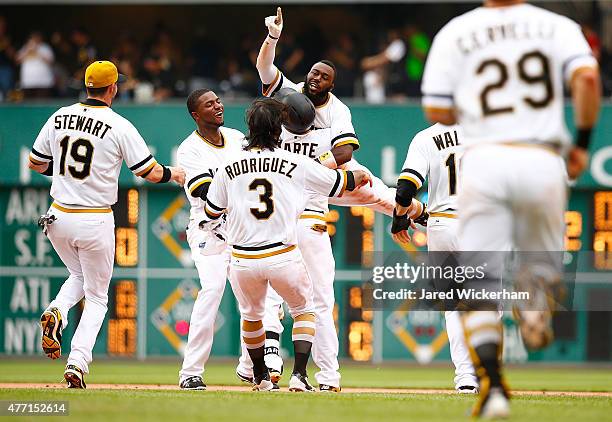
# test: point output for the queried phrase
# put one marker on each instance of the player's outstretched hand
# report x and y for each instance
(362, 178)
(178, 175)
(275, 23)
(577, 161)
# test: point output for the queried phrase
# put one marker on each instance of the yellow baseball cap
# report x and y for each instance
(102, 73)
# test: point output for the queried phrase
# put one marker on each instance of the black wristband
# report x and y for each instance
(583, 138)
(274, 38)
(166, 176)
(49, 170)
(350, 181)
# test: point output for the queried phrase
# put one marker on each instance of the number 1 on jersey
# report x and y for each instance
(452, 174)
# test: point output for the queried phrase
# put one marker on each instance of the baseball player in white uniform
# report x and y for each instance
(435, 154)
(331, 113)
(264, 189)
(82, 146)
(200, 154)
(499, 72)
(334, 115)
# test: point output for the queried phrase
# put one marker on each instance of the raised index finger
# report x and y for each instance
(279, 16)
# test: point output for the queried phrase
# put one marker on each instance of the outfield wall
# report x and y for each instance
(154, 282)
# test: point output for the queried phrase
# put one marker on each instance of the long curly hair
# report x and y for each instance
(265, 118)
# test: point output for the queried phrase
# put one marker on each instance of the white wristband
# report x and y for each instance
(328, 160)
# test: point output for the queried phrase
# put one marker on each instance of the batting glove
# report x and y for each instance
(275, 24)
(400, 223)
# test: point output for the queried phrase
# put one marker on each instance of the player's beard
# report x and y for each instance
(317, 99)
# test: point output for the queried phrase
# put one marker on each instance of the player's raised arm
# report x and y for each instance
(268, 72)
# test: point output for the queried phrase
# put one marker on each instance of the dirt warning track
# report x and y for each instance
(350, 390)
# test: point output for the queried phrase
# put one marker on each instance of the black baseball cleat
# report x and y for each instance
(467, 389)
(75, 377)
(300, 383)
(263, 383)
(51, 324)
(193, 383)
(325, 388)
(244, 378)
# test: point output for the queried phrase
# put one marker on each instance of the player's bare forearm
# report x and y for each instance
(156, 175)
(265, 58)
(38, 168)
(586, 96)
(446, 116)
(343, 154)
(400, 210)
(265, 61)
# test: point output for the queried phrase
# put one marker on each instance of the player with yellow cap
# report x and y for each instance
(81, 147)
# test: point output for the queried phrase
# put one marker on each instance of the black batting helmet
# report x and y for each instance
(300, 111)
(282, 93)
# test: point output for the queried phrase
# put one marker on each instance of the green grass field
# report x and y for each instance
(224, 405)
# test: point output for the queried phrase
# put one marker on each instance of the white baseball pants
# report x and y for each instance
(319, 260)
(512, 196)
(213, 272)
(285, 272)
(442, 236)
(84, 239)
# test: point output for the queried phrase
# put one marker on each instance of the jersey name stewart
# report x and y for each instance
(87, 144)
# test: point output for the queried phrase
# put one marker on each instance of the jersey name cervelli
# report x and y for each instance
(503, 70)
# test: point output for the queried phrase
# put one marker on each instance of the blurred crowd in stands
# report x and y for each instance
(51, 65)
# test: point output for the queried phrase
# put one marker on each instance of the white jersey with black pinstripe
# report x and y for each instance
(334, 114)
(503, 70)
(264, 192)
(435, 154)
(87, 143)
(200, 160)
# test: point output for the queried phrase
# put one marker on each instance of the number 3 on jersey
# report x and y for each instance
(81, 151)
(264, 188)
